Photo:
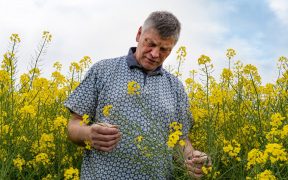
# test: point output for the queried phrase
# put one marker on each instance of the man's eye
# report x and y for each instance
(149, 43)
(164, 49)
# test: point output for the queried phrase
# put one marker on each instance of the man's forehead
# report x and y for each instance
(164, 42)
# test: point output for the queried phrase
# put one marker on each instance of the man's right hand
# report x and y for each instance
(104, 136)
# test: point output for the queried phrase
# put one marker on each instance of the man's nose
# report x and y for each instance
(155, 52)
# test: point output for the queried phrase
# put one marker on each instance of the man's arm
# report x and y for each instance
(78, 133)
(103, 137)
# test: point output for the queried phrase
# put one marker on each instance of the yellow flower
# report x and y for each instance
(255, 156)
(28, 109)
(204, 59)
(57, 65)
(181, 53)
(35, 71)
(182, 142)
(24, 79)
(226, 74)
(5, 129)
(4, 76)
(87, 145)
(139, 138)
(275, 152)
(107, 109)
(276, 120)
(60, 122)
(85, 119)
(42, 158)
(230, 53)
(174, 136)
(59, 78)
(85, 61)
(232, 149)
(19, 162)
(75, 67)
(45, 144)
(266, 175)
(206, 170)
(47, 36)
(284, 132)
(133, 88)
(15, 38)
(71, 174)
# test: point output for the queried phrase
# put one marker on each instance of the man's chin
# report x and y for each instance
(148, 69)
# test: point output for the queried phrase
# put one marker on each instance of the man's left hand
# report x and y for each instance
(196, 161)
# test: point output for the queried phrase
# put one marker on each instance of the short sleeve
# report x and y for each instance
(83, 99)
(183, 110)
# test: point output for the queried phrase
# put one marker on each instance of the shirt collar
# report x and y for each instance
(132, 63)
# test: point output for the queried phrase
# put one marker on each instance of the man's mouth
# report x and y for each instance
(151, 60)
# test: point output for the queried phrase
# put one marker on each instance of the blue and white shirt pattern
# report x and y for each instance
(161, 101)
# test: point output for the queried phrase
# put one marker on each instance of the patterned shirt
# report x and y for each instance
(143, 119)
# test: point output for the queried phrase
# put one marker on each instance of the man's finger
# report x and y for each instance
(200, 160)
(106, 143)
(104, 130)
(102, 137)
(195, 173)
(108, 125)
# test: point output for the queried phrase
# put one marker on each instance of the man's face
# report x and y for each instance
(152, 50)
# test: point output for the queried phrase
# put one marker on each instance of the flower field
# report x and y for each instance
(241, 123)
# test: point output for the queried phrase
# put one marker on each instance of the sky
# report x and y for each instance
(256, 29)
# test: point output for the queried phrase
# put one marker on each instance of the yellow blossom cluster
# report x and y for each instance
(33, 120)
(85, 120)
(175, 135)
(71, 174)
(204, 59)
(107, 109)
(19, 162)
(232, 149)
(239, 121)
(133, 88)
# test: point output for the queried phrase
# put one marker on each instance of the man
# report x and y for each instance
(162, 101)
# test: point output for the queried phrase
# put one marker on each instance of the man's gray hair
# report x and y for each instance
(165, 23)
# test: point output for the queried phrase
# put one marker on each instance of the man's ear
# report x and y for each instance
(138, 34)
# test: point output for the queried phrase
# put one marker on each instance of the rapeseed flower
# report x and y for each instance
(284, 132)
(88, 145)
(71, 174)
(133, 88)
(275, 152)
(232, 149)
(60, 122)
(15, 38)
(175, 134)
(19, 162)
(47, 36)
(139, 138)
(85, 120)
(107, 109)
(57, 65)
(204, 60)
(28, 110)
(181, 53)
(42, 158)
(255, 156)
(266, 175)
(230, 53)
(226, 74)
(276, 120)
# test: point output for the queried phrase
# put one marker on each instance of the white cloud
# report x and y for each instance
(104, 29)
(280, 8)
